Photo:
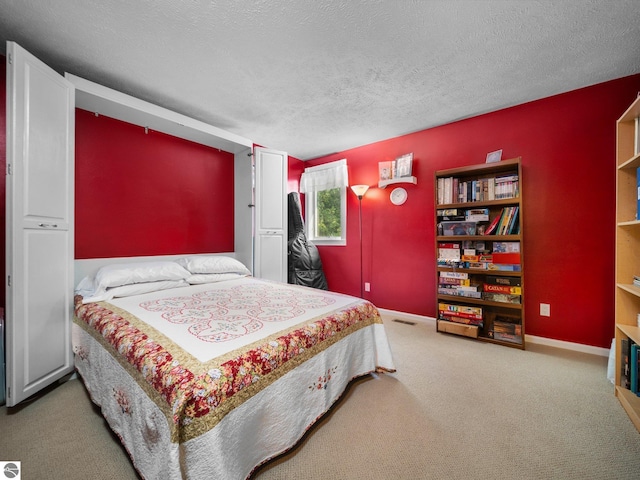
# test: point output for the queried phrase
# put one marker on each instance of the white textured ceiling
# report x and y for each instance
(313, 77)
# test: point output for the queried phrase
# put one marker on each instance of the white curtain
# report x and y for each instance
(324, 177)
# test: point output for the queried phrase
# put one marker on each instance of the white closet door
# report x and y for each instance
(244, 204)
(271, 214)
(39, 255)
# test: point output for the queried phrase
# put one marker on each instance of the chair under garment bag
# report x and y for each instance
(305, 265)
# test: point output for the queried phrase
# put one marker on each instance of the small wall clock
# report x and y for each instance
(398, 196)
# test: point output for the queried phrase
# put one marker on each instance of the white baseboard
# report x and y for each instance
(407, 316)
(550, 342)
(576, 347)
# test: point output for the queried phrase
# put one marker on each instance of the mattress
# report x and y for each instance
(211, 381)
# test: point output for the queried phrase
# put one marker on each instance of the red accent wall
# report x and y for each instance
(148, 194)
(567, 145)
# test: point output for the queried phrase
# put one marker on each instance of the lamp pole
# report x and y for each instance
(360, 190)
(360, 224)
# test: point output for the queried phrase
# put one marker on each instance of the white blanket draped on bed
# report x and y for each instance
(210, 381)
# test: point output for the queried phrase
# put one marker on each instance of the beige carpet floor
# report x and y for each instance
(455, 409)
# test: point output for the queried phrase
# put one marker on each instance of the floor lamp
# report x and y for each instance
(360, 190)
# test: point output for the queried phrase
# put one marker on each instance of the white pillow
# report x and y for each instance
(199, 278)
(147, 287)
(134, 289)
(213, 264)
(128, 273)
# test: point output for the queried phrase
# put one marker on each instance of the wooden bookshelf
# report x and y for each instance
(463, 191)
(627, 256)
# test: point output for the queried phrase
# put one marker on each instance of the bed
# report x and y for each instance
(206, 372)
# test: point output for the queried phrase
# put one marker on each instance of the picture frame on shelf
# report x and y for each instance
(493, 157)
(385, 172)
(404, 165)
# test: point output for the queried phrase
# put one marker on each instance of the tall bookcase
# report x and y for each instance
(627, 256)
(479, 252)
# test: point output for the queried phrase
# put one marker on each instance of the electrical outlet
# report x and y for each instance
(367, 287)
(545, 310)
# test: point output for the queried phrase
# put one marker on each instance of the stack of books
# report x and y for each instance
(453, 190)
(460, 314)
(507, 329)
(459, 284)
(630, 366)
(502, 289)
(448, 254)
(506, 223)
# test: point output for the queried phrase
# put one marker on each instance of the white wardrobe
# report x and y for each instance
(40, 285)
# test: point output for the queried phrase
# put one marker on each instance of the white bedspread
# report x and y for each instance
(213, 319)
(182, 412)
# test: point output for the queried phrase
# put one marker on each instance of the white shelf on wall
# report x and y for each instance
(384, 183)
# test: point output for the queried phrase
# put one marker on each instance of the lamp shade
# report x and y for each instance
(360, 190)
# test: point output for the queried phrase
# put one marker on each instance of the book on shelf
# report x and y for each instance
(508, 289)
(454, 281)
(445, 212)
(637, 186)
(477, 215)
(476, 265)
(636, 140)
(501, 297)
(460, 308)
(448, 254)
(506, 247)
(477, 245)
(461, 313)
(624, 363)
(490, 230)
(510, 258)
(633, 368)
(507, 328)
(505, 223)
(508, 221)
(503, 318)
(459, 292)
(506, 186)
(507, 337)
(452, 190)
(508, 281)
(460, 316)
(504, 267)
(630, 365)
(450, 214)
(462, 320)
(455, 274)
(458, 287)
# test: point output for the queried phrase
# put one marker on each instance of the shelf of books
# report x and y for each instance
(479, 252)
(627, 277)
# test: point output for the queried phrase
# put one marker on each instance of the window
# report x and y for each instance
(325, 189)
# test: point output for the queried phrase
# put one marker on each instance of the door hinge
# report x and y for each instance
(10, 58)
(8, 169)
(9, 280)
